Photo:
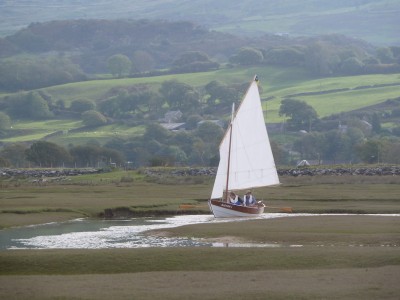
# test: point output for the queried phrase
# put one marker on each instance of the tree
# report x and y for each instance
(154, 102)
(390, 151)
(336, 146)
(300, 114)
(143, 61)
(180, 96)
(192, 121)
(112, 156)
(110, 107)
(199, 153)
(284, 56)
(38, 107)
(281, 156)
(46, 154)
(210, 133)
(351, 66)
(310, 146)
(82, 105)
(138, 100)
(29, 73)
(5, 121)
(184, 139)
(29, 106)
(93, 118)
(119, 64)
(376, 123)
(369, 151)
(221, 93)
(156, 132)
(248, 56)
(170, 155)
(190, 57)
(4, 163)
(95, 156)
(385, 55)
(321, 58)
(85, 155)
(194, 61)
(191, 102)
(15, 154)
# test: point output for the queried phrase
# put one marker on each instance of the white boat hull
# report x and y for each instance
(226, 210)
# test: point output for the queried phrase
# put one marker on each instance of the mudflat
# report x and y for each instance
(328, 257)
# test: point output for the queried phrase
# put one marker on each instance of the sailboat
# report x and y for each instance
(246, 159)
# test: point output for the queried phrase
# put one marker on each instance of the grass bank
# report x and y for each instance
(23, 202)
(73, 262)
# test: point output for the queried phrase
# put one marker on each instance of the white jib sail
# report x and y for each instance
(251, 160)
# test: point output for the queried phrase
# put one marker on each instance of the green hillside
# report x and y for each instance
(334, 95)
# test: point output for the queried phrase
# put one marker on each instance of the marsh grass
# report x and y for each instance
(69, 262)
(90, 195)
(322, 231)
(335, 257)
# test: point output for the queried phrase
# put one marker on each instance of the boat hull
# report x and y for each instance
(226, 210)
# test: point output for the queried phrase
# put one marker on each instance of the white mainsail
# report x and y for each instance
(251, 160)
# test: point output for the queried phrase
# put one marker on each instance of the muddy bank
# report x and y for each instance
(127, 213)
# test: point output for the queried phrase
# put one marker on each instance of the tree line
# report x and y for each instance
(156, 147)
(337, 139)
(345, 138)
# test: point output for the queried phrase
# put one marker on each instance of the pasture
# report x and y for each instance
(276, 84)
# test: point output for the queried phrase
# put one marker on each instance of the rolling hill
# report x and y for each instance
(328, 96)
(375, 21)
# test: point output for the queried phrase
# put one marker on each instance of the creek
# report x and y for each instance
(101, 234)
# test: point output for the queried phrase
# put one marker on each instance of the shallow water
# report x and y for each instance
(101, 234)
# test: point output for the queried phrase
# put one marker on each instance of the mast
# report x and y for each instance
(229, 154)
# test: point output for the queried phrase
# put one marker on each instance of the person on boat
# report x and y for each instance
(235, 199)
(249, 199)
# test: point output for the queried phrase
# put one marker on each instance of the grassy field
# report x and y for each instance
(329, 257)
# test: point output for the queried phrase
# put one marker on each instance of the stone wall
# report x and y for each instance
(38, 173)
(302, 171)
(158, 172)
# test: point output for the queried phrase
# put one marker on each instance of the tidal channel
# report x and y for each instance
(101, 234)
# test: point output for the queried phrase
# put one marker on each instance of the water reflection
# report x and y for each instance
(99, 234)
(245, 245)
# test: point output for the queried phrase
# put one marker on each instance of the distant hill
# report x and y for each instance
(375, 21)
(75, 50)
